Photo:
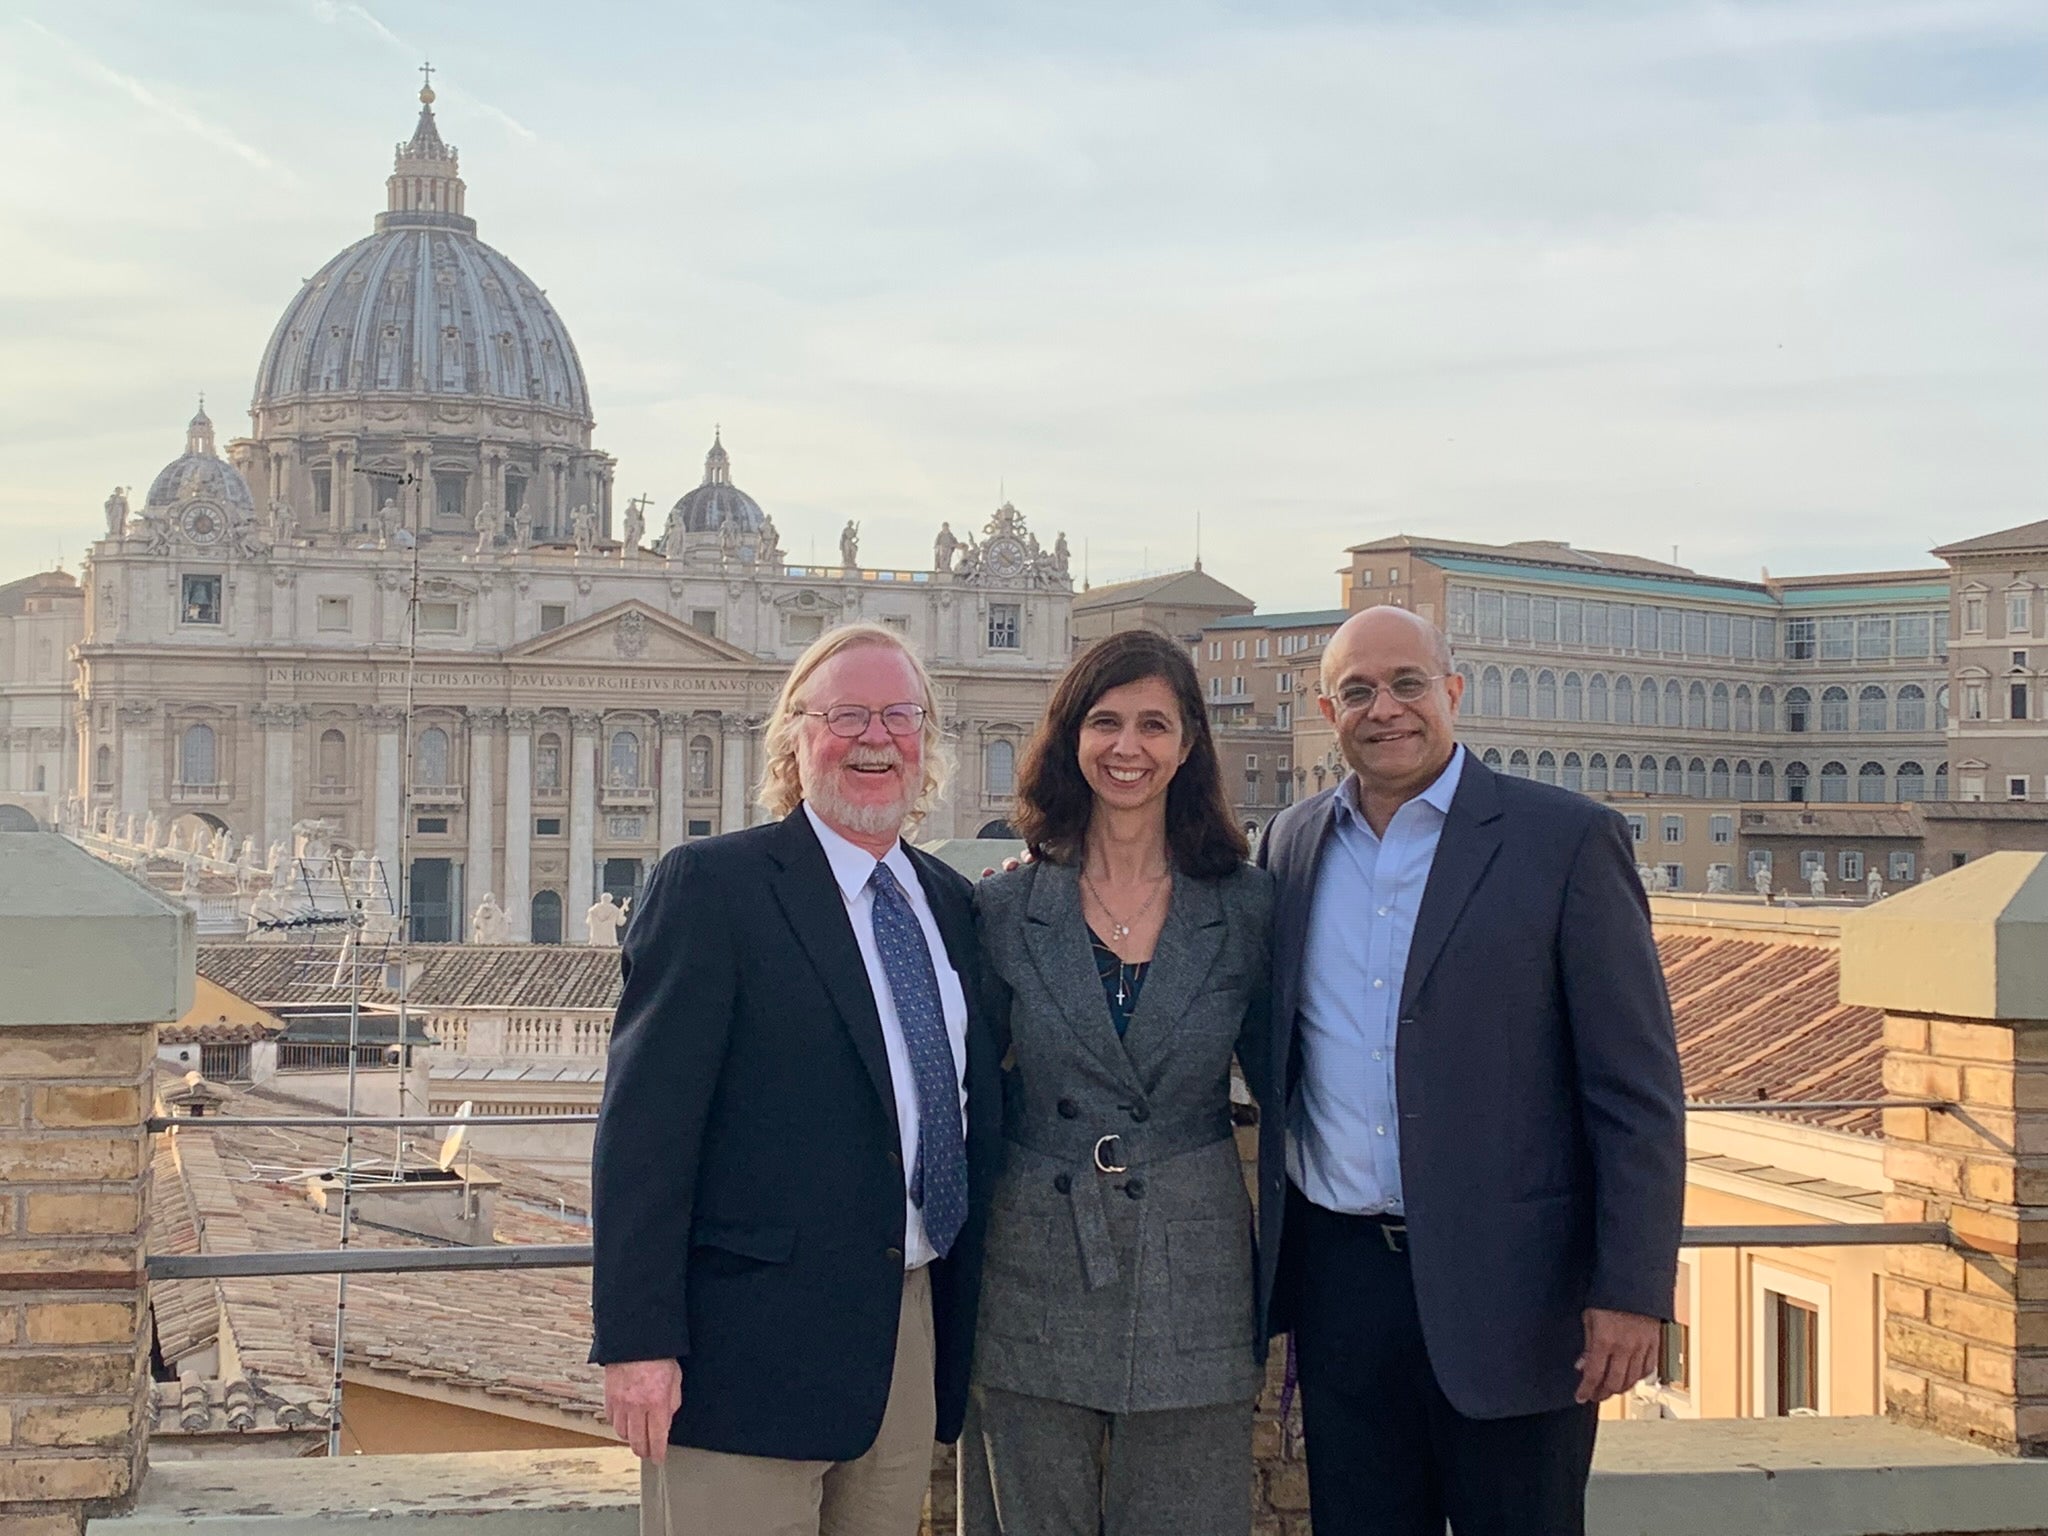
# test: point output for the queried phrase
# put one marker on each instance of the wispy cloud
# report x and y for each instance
(170, 111)
(336, 11)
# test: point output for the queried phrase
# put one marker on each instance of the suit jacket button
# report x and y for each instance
(1135, 1188)
(895, 1159)
(1140, 1113)
(895, 1254)
(1062, 1183)
(1068, 1109)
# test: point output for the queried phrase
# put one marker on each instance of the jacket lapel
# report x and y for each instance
(1056, 938)
(810, 899)
(1471, 837)
(1295, 864)
(1189, 942)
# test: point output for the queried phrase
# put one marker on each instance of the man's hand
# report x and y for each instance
(640, 1398)
(1621, 1349)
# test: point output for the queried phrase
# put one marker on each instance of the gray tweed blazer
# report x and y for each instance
(1119, 1268)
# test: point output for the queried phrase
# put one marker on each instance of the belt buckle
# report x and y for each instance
(1114, 1163)
(1394, 1235)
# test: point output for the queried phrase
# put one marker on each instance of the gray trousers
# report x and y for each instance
(1030, 1466)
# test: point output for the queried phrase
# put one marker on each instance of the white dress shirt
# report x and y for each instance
(852, 868)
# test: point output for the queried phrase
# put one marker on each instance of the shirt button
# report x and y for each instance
(1068, 1109)
(1379, 981)
(895, 1254)
(1379, 1130)
(1385, 910)
(1375, 1055)
(1062, 1183)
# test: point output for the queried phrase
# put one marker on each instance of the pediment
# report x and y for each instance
(632, 634)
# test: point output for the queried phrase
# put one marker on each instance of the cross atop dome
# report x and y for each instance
(427, 83)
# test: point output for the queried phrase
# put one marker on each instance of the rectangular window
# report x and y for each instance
(440, 618)
(1941, 636)
(1251, 762)
(1006, 627)
(1674, 877)
(1766, 639)
(200, 602)
(1283, 716)
(1912, 634)
(900, 622)
(1393, 574)
(1695, 634)
(2016, 787)
(1900, 866)
(431, 824)
(1721, 829)
(1459, 603)
(1646, 629)
(451, 499)
(1874, 638)
(1570, 622)
(1543, 620)
(1795, 1346)
(2019, 701)
(1264, 649)
(547, 826)
(2018, 614)
(1490, 623)
(1596, 626)
(1674, 829)
(1365, 577)
(1215, 685)
(1973, 614)
(1237, 650)
(1283, 682)
(333, 613)
(323, 495)
(1717, 634)
(1638, 827)
(1799, 639)
(697, 828)
(1518, 619)
(803, 628)
(1741, 639)
(1215, 650)
(1670, 631)
(2019, 659)
(1836, 638)
(1811, 859)
(1973, 701)
(553, 616)
(1849, 864)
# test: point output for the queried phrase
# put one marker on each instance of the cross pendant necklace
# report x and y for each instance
(1119, 930)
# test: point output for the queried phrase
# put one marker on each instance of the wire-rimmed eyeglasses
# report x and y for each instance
(1406, 689)
(852, 719)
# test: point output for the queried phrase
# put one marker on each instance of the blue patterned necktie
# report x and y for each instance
(938, 1175)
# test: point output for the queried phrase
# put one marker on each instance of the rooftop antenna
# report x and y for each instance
(1086, 584)
(1198, 538)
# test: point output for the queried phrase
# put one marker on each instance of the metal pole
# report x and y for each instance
(352, 958)
(208, 1122)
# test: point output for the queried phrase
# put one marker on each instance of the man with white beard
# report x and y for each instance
(799, 1133)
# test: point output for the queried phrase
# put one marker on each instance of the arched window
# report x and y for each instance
(1596, 697)
(700, 765)
(1491, 757)
(547, 917)
(430, 760)
(999, 770)
(1468, 702)
(1798, 710)
(1696, 707)
(1489, 692)
(1911, 781)
(1696, 778)
(1795, 781)
(1766, 710)
(333, 764)
(1674, 775)
(1870, 783)
(1624, 774)
(547, 763)
(1624, 702)
(1720, 718)
(622, 764)
(1574, 774)
(1717, 779)
(103, 767)
(1834, 709)
(1574, 697)
(1518, 694)
(1745, 780)
(196, 762)
(1910, 713)
(1518, 763)
(1596, 774)
(1646, 774)
(1870, 710)
(1834, 783)
(1941, 781)
(1546, 768)
(1546, 695)
(1766, 782)
(1745, 709)
(1646, 702)
(1941, 710)
(1674, 703)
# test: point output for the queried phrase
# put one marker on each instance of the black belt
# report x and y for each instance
(1391, 1229)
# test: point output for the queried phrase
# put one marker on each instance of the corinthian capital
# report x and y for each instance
(383, 717)
(585, 722)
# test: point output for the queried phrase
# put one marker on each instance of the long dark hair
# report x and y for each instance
(1054, 801)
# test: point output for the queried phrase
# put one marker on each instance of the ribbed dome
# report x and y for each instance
(711, 505)
(424, 307)
(200, 474)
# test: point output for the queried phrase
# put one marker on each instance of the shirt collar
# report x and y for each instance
(1441, 792)
(852, 865)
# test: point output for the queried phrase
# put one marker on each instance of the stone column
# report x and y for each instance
(137, 717)
(17, 743)
(674, 726)
(77, 1049)
(517, 898)
(1960, 968)
(583, 727)
(478, 877)
(732, 774)
(278, 723)
(386, 721)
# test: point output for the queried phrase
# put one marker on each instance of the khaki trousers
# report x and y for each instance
(714, 1493)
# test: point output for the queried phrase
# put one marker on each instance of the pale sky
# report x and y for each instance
(1767, 282)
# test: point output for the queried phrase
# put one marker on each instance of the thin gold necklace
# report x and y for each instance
(1119, 930)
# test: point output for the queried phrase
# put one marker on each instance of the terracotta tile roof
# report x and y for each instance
(1761, 1018)
(2026, 537)
(506, 977)
(236, 1406)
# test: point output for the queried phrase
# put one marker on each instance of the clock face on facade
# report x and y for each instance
(1005, 556)
(202, 524)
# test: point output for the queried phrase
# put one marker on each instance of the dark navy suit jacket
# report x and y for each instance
(1536, 1071)
(747, 1181)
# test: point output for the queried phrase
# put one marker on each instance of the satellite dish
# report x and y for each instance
(452, 1147)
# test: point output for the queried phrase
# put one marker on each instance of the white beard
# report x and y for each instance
(881, 820)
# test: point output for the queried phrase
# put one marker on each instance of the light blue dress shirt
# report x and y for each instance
(1343, 1125)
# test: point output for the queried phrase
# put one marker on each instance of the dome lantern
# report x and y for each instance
(426, 184)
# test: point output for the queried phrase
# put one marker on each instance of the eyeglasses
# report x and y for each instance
(1407, 689)
(852, 719)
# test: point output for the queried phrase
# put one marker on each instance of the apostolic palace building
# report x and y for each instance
(409, 606)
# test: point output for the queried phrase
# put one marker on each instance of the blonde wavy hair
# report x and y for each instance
(781, 788)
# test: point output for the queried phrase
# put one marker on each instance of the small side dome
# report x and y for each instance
(717, 501)
(200, 474)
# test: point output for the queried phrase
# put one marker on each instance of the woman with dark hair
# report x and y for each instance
(1117, 1360)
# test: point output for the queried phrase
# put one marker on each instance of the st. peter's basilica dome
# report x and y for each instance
(200, 474)
(717, 501)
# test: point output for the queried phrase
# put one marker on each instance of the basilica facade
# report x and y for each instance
(406, 608)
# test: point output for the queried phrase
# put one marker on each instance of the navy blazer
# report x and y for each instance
(747, 1179)
(1536, 1070)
